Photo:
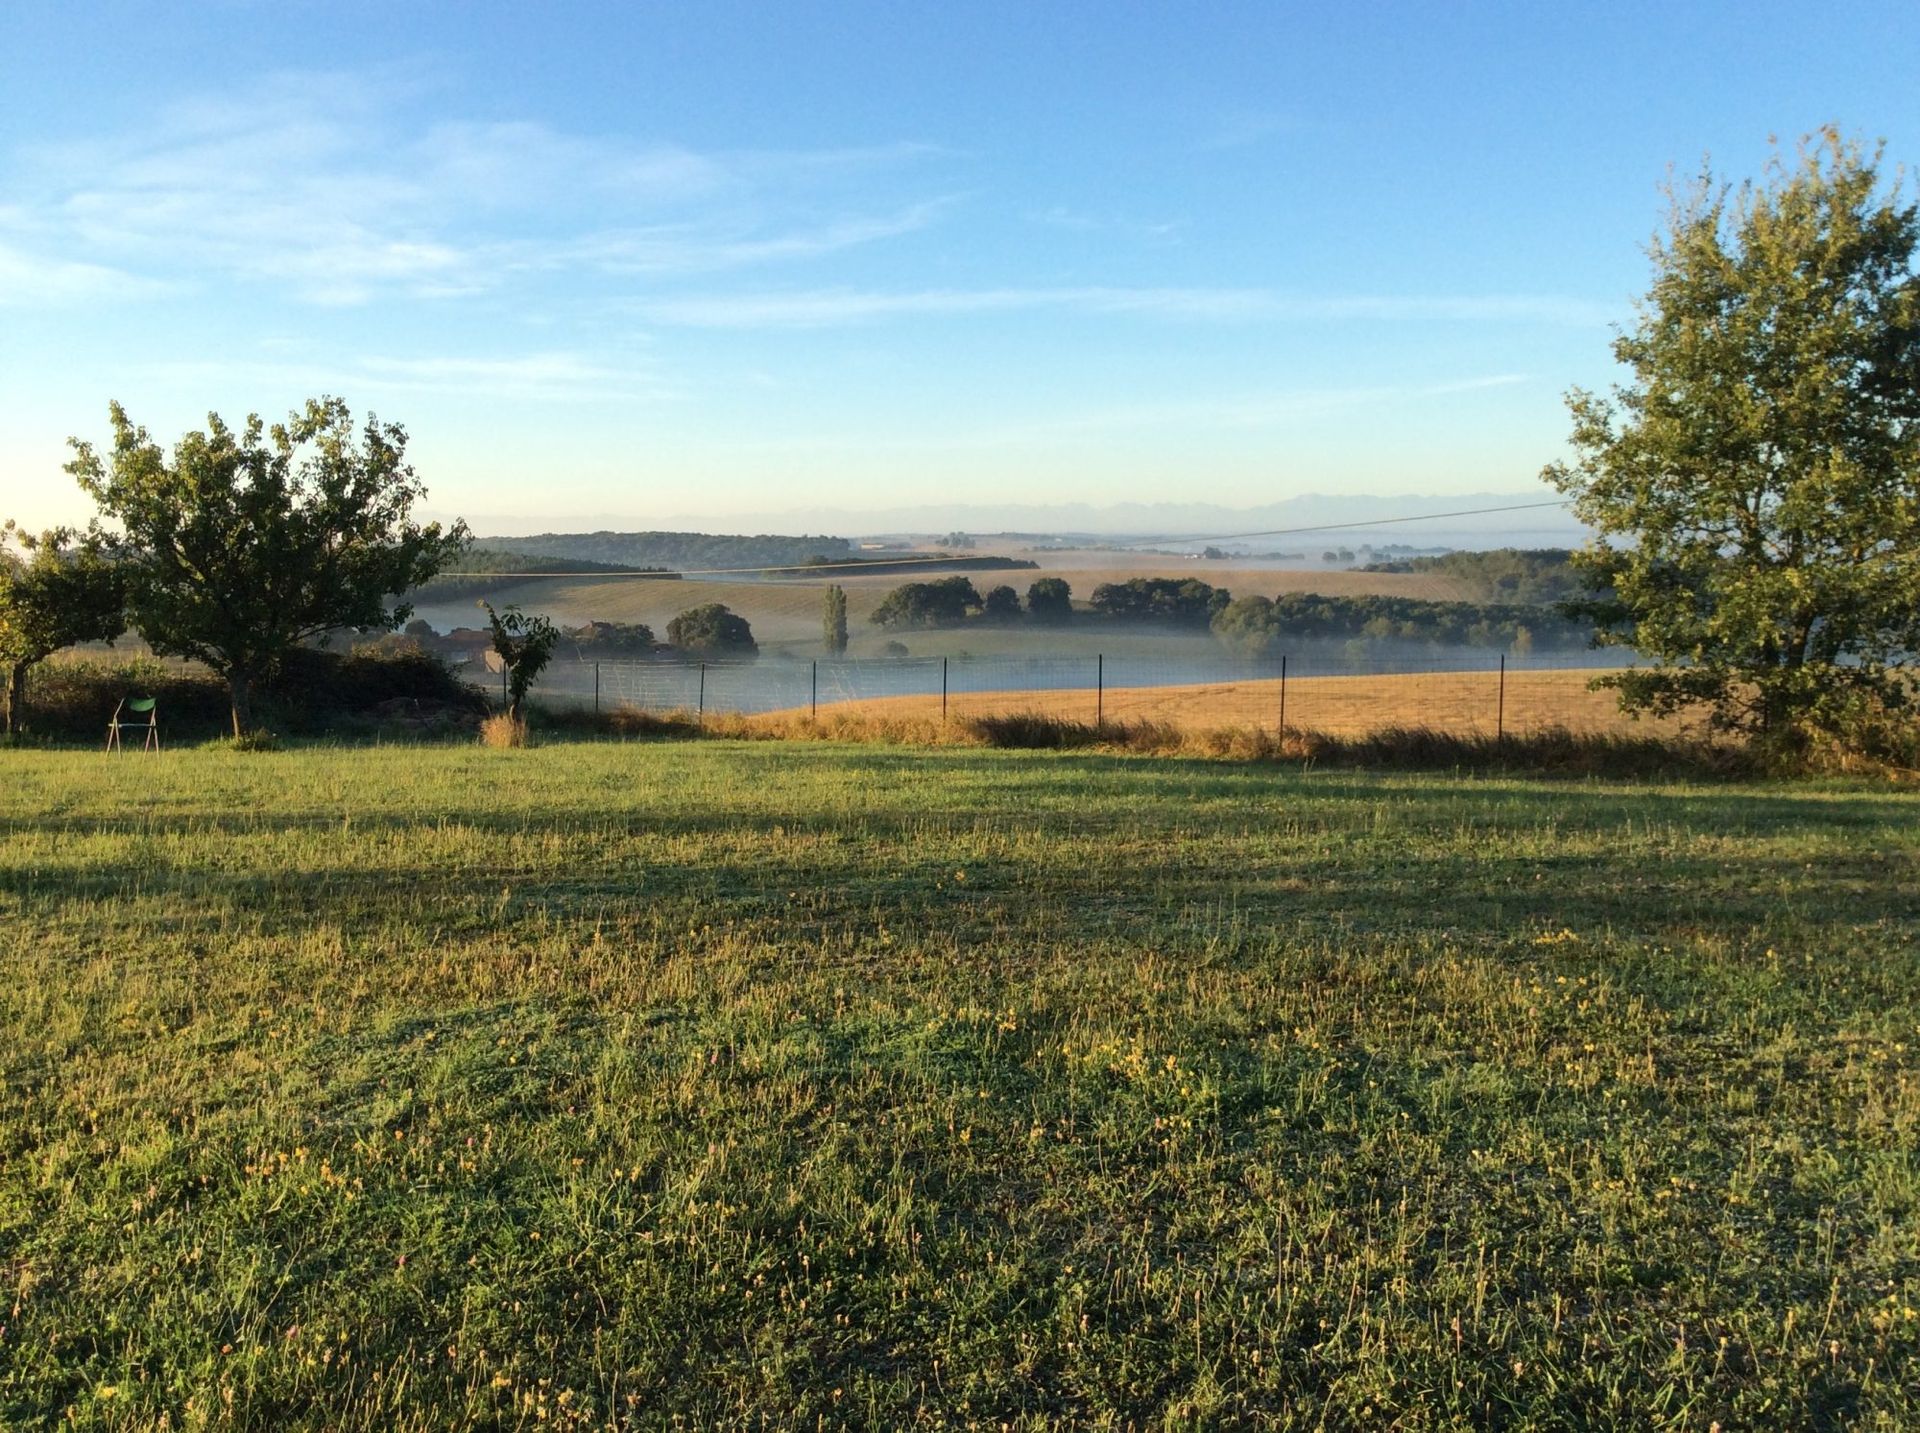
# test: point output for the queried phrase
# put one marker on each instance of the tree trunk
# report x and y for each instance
(240, 689)
(17, 698)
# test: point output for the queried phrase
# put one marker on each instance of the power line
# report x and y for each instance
(1364, 522)
(868, 565)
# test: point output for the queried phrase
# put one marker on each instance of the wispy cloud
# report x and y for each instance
(320, 186)
(31, 280)
(822, 308)
(559, 377)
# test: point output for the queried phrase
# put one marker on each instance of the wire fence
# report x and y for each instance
(1335, 692)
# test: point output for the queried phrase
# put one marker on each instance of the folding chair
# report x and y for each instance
(135, 706)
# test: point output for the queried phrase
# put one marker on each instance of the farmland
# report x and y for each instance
(787, 611)
(606, 1084)
(1459, 702)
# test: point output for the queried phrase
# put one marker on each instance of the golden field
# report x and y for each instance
(1456, 702)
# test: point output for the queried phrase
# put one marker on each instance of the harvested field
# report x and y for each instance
(1460, 702)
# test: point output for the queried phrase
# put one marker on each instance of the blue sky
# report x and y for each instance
(638, 262)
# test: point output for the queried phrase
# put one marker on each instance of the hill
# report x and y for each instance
(679, 550)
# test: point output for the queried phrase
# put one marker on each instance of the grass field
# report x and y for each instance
(1460, 702)
(797, 1085)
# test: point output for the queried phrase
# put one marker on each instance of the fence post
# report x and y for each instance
(813, 704)
(596, 686)
(943, 689)
(1100, 689)
(504, 698)
(700, 716)
(1500, 718)
(1283, 694)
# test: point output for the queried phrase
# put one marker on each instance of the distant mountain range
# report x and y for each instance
(1537, 522)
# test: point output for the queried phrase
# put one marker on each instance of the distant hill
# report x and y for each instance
(692, 551)
(467, 580)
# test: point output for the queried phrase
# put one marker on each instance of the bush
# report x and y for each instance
(503, 731)
(315, 691)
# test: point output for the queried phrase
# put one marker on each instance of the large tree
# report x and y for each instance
(1754, 484)
(245, 545)
(713, 630)
(55, 590)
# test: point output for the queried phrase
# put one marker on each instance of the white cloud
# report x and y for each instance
(561, 377)
(318, 185)
(29, 280)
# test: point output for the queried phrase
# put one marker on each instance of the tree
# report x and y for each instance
(1755, 483)
(54, 591)
(1002, 605)
(943, 603)
(244, 545)
(524, 645)
(1050, 600)
(712, 629)
(834, 620)
(1186, 601)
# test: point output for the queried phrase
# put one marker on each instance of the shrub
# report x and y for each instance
(502, 730)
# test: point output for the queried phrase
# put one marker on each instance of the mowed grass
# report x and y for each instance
(797, 1085)
(1455, 702)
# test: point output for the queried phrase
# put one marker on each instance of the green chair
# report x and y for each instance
(135, 707)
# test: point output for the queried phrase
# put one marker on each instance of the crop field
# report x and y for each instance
(798, 1085)
(1449, 701)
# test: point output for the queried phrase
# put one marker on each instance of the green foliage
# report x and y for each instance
(1755, 484)
(637, 1084)
(834, 620)
(941, 603)
(1258, 626)
(55, 591)
(1505, 574)
(524, 644)
(244, 545)
(1184, 602)
(375, 689)
(678, 550)
(612, 640)
(1002, 605)
(712, 630)
(1050, 601)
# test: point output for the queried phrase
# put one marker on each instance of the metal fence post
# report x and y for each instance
(596, 686)
(813, 704)
(1500, 718)
(943, 689)
(505, 700)
(1100, 689)
(700, 716)
(1283, 694)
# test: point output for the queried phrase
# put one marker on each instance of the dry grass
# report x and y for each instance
(503, 731)
(1460, 703)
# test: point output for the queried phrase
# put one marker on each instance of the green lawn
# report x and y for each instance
(786, 1083)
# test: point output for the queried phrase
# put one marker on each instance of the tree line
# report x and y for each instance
(1251, 625)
